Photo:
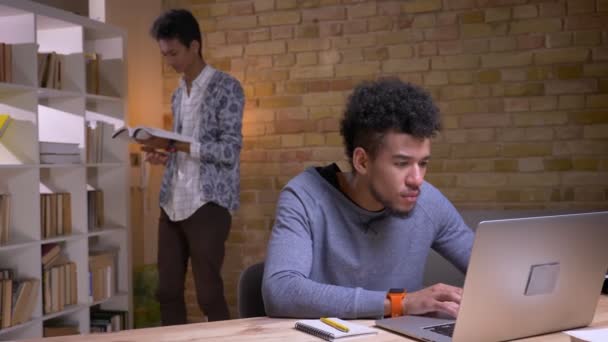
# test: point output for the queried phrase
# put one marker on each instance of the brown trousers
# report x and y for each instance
(200, 237)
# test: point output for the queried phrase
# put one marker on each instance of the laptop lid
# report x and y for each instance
(527, 277)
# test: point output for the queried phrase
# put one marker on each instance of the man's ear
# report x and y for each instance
(360, 160)
(195, 45)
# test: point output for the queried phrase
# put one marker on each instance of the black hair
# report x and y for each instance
(378, 107)
(179, 24)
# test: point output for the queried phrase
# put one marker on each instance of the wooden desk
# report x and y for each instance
(270, 329)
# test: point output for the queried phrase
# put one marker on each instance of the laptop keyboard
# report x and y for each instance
(443, 329)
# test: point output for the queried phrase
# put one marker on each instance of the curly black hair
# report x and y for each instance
(179, 24)
(378, 107)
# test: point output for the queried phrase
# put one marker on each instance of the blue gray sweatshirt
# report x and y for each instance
(329, 257)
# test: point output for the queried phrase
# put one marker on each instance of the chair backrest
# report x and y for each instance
(249, 291)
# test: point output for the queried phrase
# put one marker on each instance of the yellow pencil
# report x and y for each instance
(334, 324)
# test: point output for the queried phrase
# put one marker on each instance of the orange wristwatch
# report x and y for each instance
(396, 296)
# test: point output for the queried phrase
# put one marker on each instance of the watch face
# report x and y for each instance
(395, 290)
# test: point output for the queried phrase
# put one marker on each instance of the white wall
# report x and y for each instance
(144, 106)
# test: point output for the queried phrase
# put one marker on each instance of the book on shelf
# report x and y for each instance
(49, 70)
(145, 133)
(95, 209)
(5, 218)
(59, 153)
(49, 147)
(108, 320)
(6, 63)
(17, 299)
(50, 252)
(5, 120)
(56, 215)
(60, 330)
(59, 283)
(59, 158)
(92, 72)
(95, 140)
(102, 274)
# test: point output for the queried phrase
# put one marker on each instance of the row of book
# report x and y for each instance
(95, 209)
(91, 61)
(5, 218)
(59, 282)
(59, 153)
(102, 274)
(103, 321)
(17, 299)
(6, 63)
(56, 215)
(95, 140)
(49, 70)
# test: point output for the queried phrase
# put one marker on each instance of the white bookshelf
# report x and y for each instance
(61, 115)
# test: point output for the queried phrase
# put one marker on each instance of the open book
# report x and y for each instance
(317, 328)
(145, 133)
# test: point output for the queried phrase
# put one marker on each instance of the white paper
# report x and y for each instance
(590, 335)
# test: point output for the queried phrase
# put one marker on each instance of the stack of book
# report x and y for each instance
(17, 299)
(95, 209)
(59, 284)
(49, 70)
(56, 218)
(92, 72)
(6, 63)
(102, 274)
(5, 218)
(108, 320)
(59, 153)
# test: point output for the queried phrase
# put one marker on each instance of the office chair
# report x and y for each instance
(249, 290)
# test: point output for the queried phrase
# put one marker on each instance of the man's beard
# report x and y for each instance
(387, 204)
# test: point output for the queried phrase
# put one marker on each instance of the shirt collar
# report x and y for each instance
(201, 79)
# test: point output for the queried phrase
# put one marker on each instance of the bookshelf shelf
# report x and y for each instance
(119, 295)
(67, 311)
(60, 166)
(18, 327)
(62, 113)
(64, 238)
(98, 165)
(9, 88)
(106, 231)
(48, 93)
(102, 98)
(17, 244)
(17, 166)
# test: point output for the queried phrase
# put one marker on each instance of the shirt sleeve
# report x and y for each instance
(287, 289)
(453, 239)
(223, 149)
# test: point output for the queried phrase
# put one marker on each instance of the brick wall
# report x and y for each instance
(522, 84)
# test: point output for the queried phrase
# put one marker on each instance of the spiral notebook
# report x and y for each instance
(317, 328)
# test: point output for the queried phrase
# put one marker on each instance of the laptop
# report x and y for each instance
(526, 277)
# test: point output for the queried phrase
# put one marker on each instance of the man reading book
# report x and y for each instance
(354, 244)
(200, 185)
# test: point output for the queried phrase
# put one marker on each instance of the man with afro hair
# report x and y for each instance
(354, 244)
